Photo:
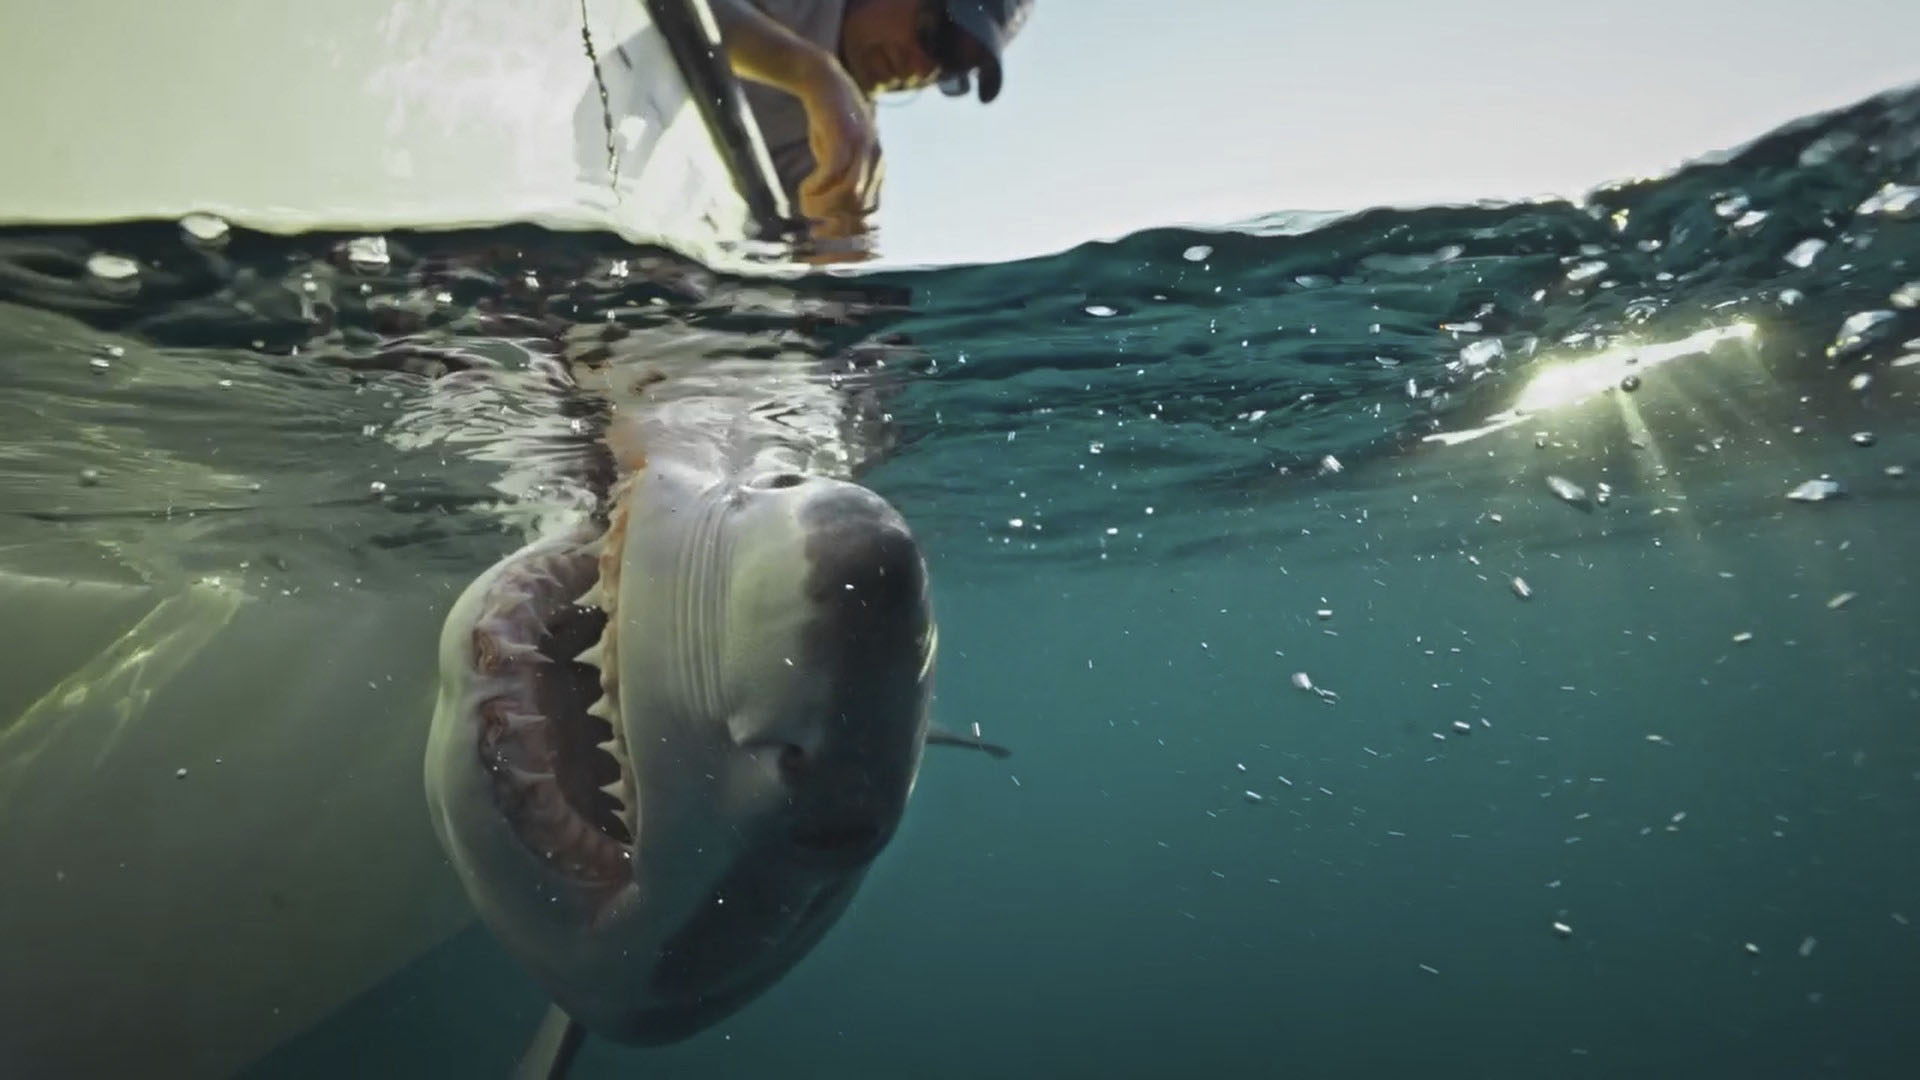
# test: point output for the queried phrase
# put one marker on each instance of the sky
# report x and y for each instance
(1119, 115)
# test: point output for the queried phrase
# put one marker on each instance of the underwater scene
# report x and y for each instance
(1468, 641)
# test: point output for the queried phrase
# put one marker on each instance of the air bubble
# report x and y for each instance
(1805, 252)
(1898, 201)
(368, 253)
(205, 230)
(1819, 490)
(1569, 492)
(113, 274)
(1860, 331)
(1482, 352)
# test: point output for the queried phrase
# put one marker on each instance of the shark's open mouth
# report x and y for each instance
(543, 648)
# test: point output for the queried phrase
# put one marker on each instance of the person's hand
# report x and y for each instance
(834, 250)
(842, 134)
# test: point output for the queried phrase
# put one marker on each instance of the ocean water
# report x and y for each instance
(1464, 641)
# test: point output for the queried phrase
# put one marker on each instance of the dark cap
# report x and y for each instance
(993, 23)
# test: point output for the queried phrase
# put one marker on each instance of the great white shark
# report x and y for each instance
(672, 736)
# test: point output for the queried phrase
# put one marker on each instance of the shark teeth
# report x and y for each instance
(519, 722)
(531, 768)
(515, 604)
(528, 777)
(520, 651)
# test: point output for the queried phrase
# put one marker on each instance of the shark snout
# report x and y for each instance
(861, 555)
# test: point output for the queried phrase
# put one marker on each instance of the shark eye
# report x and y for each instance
(786, 480)
(792, 760)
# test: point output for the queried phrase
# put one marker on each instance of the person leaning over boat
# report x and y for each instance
(811, 69)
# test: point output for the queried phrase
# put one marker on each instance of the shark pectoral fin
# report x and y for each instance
(551, 1051)
(939, 736)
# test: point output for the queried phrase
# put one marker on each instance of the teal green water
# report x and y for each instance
(1657, 817)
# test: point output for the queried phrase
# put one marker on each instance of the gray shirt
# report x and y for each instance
(782, 119)
(637, 87)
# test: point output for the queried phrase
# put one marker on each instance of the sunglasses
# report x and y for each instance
(943, 41)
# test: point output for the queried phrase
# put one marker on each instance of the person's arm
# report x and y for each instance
(760, 48)
(840, 126)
